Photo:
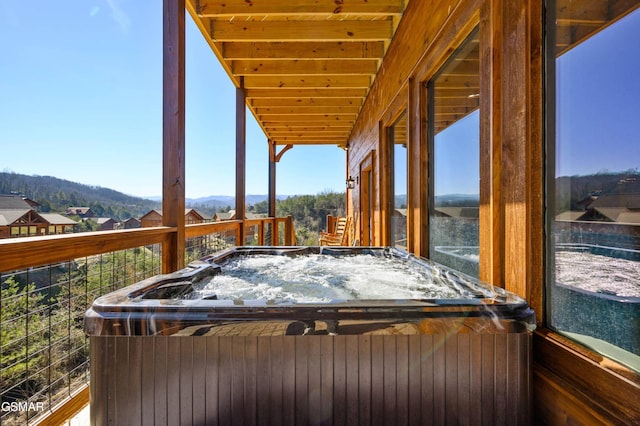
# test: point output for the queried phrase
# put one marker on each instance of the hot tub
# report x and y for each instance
(189, 348)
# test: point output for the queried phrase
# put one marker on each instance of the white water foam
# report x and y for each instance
(322, 278)
(597, 273)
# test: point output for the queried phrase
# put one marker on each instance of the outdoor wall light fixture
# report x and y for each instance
(351, 182)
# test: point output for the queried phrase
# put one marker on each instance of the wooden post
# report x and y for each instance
(241, 156)
(272, 188)
(288, 231)
(272, 179)
(173, 133)
(491, 112)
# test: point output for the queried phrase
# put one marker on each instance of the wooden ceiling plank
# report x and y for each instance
(319, 137)
(298, 141)
(347, 30)
(297, 7)
(308, 110)
(304, 102)
(327, 123)
(328, 118)
(469, 82)
(306, 93)
(293, 136)
(282, 82)
(304, 67)
(439, 112)
(285, 129)
(341, 135)
(303, 50)
(463, 101)
(302, 142)
(456, 93)
(463, 67)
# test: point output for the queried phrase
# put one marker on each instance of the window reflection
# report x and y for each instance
(398, 138)
(594, 193)
(455, 172)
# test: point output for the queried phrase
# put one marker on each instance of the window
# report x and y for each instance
(593, 185)
(398, 138)
(454, 132)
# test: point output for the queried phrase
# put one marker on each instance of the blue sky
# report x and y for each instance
(456, 157)
(598, 102)
(81, 99)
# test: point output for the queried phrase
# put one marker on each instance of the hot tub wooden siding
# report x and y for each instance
(372, 379)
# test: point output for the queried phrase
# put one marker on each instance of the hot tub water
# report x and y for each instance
(321, 278)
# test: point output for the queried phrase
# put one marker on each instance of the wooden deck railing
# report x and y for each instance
(59, 276)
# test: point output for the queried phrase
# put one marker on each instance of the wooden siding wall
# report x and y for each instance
(511, 169)
(429, 379)
(423, 30)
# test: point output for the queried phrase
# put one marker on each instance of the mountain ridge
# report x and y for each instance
(56, 194)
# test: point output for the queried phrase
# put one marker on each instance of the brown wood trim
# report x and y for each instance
(289, 233)
(535, 155)
(414, 171)
(491, 224)
(364, 218)
(554, 405)
(173, 133)
(199, 229)
(464, 18)
(65, 410)
(398, 106)
(272, 178)
(522, 212)
(383, 228)
(18, 253)
(583, 380)
(241, 153)
(422, 218)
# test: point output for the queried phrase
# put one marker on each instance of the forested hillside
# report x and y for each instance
(572, 190)
(309, 213)
(55, 195)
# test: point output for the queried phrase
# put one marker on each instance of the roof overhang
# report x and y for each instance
(306, 66)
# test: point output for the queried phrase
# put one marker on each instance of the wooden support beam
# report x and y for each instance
(339, 143)
(298, 7)
(305, 67)
(25, 252)
(302, 127)
(320, 31)
(307, 93)
(307, 81)
(279, 155)
(293, 135)
(305, 102)
(173, 133)
(241, 155)
(272, 185)
(303, 50)
(265, 112)
(292, 139)
(491, 235)
(289, 236)
(324, 118)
